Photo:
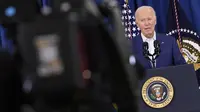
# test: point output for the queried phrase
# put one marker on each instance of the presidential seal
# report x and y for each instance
(190, 44)
(157, 92)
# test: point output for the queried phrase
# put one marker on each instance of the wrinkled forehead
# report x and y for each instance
(145, 12)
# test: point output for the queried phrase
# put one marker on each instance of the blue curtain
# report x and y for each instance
(5, 42)
(190, 7)
(3, 38)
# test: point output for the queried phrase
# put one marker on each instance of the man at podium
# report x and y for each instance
(154, 50)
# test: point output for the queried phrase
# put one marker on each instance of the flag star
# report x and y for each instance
(126, 17)
(124, 11)
(134, 29)
(129, 17)
(125, 1)
(122, 17)
(129, 11)
(124, 5)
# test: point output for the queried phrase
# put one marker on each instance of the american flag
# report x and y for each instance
(128, 21)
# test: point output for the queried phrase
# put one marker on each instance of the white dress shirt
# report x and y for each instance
(150, 42)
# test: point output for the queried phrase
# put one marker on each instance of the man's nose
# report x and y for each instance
(146, 23)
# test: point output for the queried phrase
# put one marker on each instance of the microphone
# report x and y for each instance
(157, 49)
(156, 52)
(156, 44)
(145, 46)
(145, 50)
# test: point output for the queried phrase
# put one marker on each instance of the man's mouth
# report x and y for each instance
(147, 28)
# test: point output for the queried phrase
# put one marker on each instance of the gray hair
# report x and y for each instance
(145, 7)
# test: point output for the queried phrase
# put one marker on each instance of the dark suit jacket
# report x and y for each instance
(170, 54)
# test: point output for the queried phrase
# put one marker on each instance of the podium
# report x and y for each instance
(170, 89)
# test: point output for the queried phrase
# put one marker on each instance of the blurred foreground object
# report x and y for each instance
(49, 58)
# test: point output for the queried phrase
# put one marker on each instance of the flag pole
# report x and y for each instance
(126, 1)
(178, 27)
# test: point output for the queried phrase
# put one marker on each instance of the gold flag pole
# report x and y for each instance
(126, 1)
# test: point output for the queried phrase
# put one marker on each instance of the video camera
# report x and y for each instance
(56, 45)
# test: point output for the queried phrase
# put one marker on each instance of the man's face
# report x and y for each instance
(146, 21)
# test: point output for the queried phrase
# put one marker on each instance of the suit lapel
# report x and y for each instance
(158, 60)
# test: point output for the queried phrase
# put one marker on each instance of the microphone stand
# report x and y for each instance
(154, 56)
(153, 60)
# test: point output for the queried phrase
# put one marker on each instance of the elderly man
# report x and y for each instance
(151, 49)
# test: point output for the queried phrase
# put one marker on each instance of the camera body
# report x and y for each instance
(49, 56)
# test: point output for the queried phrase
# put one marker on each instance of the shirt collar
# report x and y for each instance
(145, 38)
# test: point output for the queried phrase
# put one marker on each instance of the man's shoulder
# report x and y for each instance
(163, 35)
(166, 37)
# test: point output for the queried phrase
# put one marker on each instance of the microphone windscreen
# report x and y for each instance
(145, 45)
(156, 44)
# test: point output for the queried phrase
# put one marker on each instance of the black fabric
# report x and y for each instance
(10, 84)
(50, 88)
